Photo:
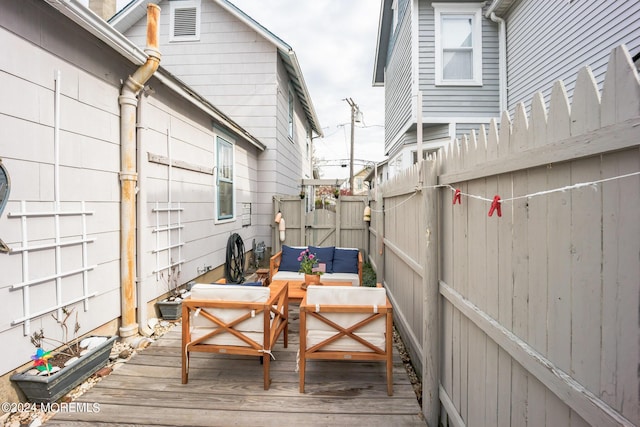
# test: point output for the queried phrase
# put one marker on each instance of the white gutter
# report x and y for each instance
(502, 60)
(128, 101)
(501, 6)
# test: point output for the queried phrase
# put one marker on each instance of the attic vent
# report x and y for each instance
(185, 20)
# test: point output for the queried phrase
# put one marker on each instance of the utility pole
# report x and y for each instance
(355, 112)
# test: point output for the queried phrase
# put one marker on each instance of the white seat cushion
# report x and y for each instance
(226, 338)
(345, 343)
(325, 278)
(344, 295)
(200, 325)
(341, 277)
(341, 295)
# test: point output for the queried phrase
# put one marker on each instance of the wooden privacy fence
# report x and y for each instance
(513, 262)
(339, 224)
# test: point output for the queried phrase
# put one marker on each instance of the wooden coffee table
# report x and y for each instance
(296, 293)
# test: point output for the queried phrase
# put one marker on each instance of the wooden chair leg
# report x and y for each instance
(185, 361)
(302, 371)
(389, 376)
(186, 336)
(389, 350)
(303, 348)
(266, 359)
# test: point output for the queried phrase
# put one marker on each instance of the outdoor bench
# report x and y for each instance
(340, 264)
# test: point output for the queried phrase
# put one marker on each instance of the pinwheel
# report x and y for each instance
(40, 360)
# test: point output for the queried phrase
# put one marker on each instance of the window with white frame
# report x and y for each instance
(414, 156)
(458, 43)
(225, 179)
(184, 20)
(290, 112)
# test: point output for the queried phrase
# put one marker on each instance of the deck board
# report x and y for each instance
(225, 390)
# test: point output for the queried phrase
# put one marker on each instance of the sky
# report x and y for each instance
(335, 43)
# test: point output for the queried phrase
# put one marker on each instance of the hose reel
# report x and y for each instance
(234, 263)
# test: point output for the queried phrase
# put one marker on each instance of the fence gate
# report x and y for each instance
(339, 222)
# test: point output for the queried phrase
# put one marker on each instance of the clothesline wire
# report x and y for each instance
(544, 192)
(511, 199)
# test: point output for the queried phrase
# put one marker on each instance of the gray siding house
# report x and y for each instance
(112, 185)
(550, 41)
(470, 61)
(246, 71)
(410, 62)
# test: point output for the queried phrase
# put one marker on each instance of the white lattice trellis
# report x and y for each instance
(165, 247)
(60, 274)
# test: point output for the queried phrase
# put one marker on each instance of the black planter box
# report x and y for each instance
(170, 310)
(50, 388)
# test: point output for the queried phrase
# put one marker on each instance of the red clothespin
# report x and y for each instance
(456, 197)
(495, 205)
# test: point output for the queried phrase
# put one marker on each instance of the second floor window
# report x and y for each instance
(224, 175)
(458, 36)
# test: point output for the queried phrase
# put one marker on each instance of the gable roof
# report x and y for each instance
(137, 9)
(96, 26)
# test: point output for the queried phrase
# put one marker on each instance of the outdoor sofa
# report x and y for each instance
(341, 264)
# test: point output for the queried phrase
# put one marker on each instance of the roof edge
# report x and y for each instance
(285, 51)
(96, 26)
(381, 47)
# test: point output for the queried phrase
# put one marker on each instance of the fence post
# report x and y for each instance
(338, 219)
(303, 223)
(380, 253)
(431, 327)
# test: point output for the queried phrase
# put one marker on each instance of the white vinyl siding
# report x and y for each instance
(291, 112)
(225, 179)
(185, 20)
(458, 40)
(241, 73)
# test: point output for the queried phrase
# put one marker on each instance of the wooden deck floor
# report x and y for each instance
(225, 390)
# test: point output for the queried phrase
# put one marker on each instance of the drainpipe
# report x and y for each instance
(502, 60)
(142, 222)
(128, 101)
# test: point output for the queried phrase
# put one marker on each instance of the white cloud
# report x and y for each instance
(335, 42)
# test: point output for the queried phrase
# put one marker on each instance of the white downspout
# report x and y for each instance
(128, 101)
(141, 221)
(502, 60)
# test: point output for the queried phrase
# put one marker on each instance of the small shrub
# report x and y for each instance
(368, 275)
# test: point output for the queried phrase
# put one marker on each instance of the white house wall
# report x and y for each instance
(240, 72)
(194, 191)
(42, 42)
(291, 163)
